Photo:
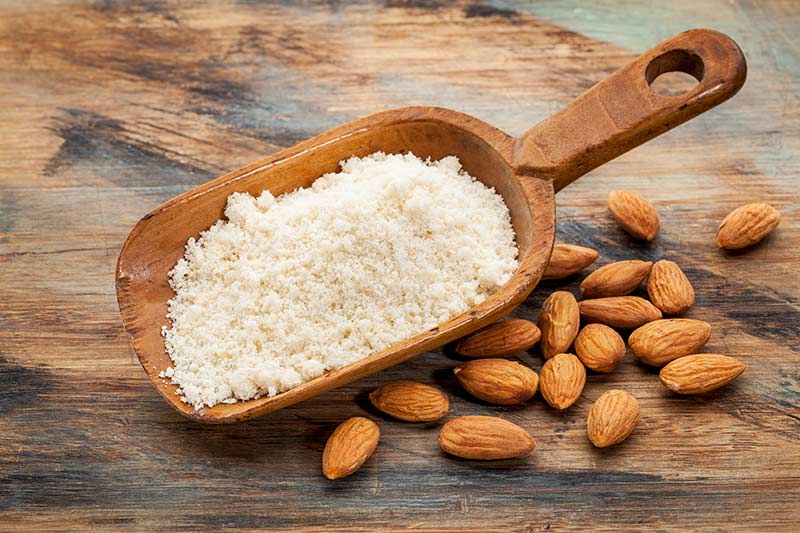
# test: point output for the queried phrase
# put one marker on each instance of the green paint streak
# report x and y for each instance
(636, 26)
(765, 33)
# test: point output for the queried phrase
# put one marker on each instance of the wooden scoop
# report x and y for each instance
(612, 117)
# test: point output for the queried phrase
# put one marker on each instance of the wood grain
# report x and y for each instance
(110, 109)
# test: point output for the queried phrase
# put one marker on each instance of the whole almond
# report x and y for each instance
(559, 321)
(501, 339)
(669, 288)
(612, 418)
(634, 213)
(599, 347)
(661, 341)
(498, 381)
(349, 446)
(746, 225)
(696, 374)
(625, 312)
(485, 438)
(569, 259)
(615, 279)
(562, 380)
(410, 401)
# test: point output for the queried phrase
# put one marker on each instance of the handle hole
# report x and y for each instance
(675, 72)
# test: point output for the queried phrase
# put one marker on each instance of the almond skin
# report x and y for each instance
(349, 446)
(696, 374)
(747, 225)
(624, 312)
(661, 341)
(634, 214)
(615, 279)
(669, 288)
(484, 438)
(410, 401)
(599, 347)
(562, 380)
(498, 381)
(612, 418)
(501, 339)
(569, 259)
(559, 321)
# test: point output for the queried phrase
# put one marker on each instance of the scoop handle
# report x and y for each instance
(623, 111)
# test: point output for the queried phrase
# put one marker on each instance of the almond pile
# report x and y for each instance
(606, 308)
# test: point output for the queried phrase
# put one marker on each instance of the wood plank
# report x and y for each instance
(111, 108)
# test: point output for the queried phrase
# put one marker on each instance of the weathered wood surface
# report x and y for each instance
(110, 108)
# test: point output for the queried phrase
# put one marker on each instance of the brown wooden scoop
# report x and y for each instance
(614, 116)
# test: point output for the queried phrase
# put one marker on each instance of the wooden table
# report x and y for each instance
(110, 108)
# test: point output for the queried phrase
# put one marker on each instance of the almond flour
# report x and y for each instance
(288, 288)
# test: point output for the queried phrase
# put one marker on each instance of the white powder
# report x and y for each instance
(291, 287)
